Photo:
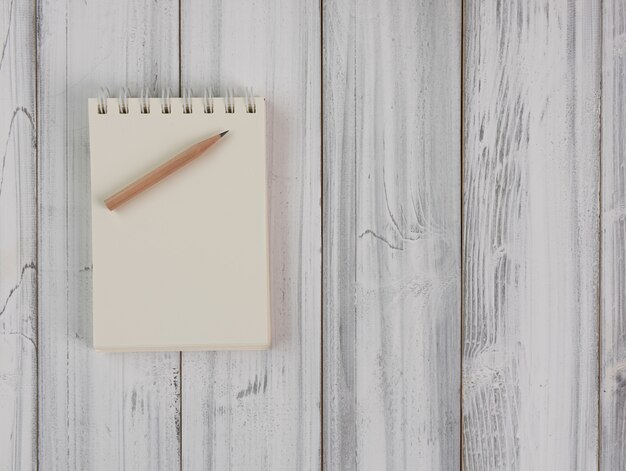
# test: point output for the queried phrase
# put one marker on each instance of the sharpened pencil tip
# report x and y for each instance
(222, 133)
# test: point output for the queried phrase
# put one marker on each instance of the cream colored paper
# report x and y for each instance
(182, 266)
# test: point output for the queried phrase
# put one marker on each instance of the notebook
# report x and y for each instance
(183, 265)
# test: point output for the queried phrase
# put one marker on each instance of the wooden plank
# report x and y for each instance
(613, 223)
(261, 410)
(531, 181)
(18, 237)
(392, 234)
(97, 410)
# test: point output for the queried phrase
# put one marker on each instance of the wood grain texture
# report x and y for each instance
(18, 238)
(389, 76)
(531, 181)
(391, 234)
(97, 410)
(613, 295)
(261, 410)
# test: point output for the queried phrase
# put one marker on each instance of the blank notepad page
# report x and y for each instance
(184, 265)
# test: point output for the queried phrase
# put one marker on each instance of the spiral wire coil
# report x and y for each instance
(166, 100)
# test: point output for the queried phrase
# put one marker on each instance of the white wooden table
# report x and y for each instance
(448, 237)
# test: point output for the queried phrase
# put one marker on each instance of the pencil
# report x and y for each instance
(161, 172)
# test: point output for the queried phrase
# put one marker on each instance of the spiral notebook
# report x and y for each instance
(184, 265)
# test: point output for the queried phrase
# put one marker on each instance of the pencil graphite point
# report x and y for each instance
(222, 133)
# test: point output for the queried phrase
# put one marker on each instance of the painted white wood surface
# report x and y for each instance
(96, 410)
(18, 238)
(390, 76)
(391, 234)
(531, 179)
(613, 295)
(261, 410)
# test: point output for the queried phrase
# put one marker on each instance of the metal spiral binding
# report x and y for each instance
(229, 101)
(187, 100)
(249, 100)
(166, 101)
(103, 95)
(208, 100)
(123, 100)
(144, 101)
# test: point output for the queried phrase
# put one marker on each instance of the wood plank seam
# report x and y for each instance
(600, 249)
(462, 234)
(322, 241)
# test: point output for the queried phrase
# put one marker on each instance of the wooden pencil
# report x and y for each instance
(161, 172)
